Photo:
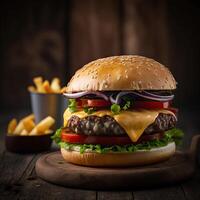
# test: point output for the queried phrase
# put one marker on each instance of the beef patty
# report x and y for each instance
(106, 125)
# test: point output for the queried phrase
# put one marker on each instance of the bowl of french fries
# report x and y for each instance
(47, 99)
(27, 136)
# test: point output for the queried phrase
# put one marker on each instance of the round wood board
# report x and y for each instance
(52, 168)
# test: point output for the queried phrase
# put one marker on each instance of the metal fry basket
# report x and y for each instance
(44, 105)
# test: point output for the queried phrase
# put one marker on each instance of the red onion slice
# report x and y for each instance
(158, 98)
(119, 95)
(168, 97)
(81, 94)
(153, 97)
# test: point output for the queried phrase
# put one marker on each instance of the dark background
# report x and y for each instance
(55, 38)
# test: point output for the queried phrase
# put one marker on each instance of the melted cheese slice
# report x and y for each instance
(134, 122)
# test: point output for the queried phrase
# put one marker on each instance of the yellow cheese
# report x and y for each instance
(134, 122)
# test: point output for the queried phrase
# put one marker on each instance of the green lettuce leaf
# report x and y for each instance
(57, 136)
(72, 105)
(176, 134)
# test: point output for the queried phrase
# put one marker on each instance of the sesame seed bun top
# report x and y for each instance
(129, 72)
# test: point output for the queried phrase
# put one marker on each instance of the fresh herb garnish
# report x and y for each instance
(127, 105)
(89, 110)
(72, 105)
(115, 109)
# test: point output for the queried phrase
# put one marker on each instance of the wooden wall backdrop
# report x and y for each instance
(55, 38)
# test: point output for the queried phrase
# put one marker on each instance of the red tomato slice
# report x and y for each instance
(103, 140)
(93, 103)
(81, 102)
(68, 136)
(151, 104)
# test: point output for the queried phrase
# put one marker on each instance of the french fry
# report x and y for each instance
(18, 129)
(24, 132)
(20, 126)
(48, 131)
(55, 85)
(32, 89)
(47, 87)
(28, 125)
(42, 126)
(12, 126)
(63, 89)
(39, 85)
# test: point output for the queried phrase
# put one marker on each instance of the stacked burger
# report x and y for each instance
(120, 113)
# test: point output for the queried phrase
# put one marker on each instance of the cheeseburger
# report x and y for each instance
(119, 114)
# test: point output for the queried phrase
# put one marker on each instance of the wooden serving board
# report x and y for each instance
(52, 168)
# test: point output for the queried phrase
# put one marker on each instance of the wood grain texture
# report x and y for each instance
(33, 44)
(12, 168)
(94, 31)
(144, 29)
(53, 168)
(104, 195)
(191, 187)
(184, 43)
(30, 184)
(169, 193)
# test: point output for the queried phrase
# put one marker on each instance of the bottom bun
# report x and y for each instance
(114, 159)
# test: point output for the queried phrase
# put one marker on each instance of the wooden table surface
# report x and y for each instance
(18, 179)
